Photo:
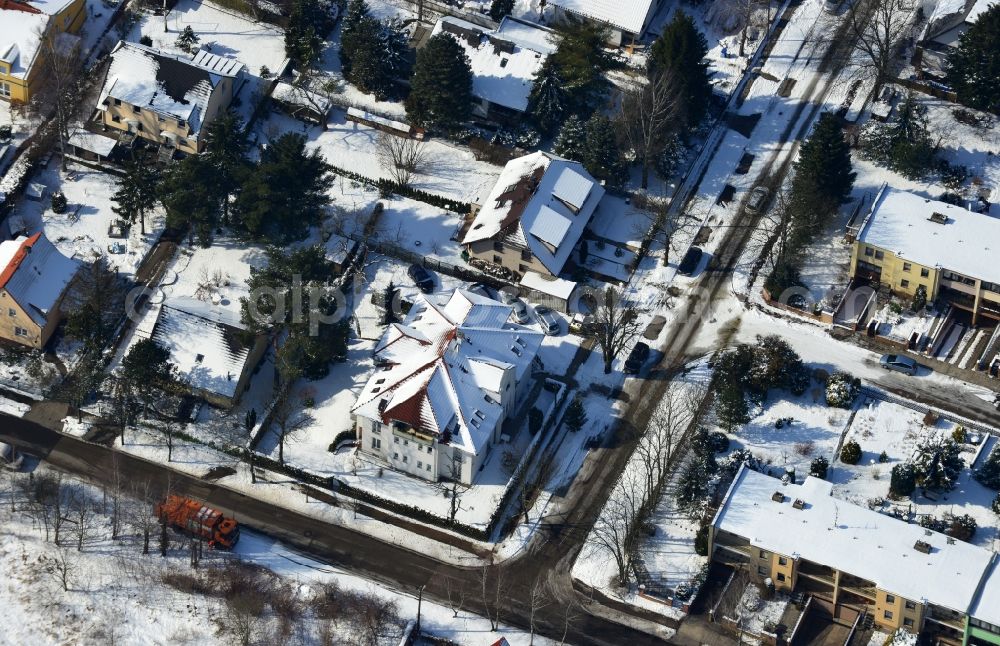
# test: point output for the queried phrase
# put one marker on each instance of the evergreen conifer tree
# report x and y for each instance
(974, 66)
(441, 86)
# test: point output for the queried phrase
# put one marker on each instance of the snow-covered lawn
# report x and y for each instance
(83, 230)
(117, 595)
(758, 614)
(880, 426)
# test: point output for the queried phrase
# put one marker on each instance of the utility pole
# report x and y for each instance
(420, 599)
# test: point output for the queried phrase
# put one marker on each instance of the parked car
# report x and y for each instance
(548, 320)
(421, 278)
(636, 358)
(10, 458)
(483, 290)
(899, 363)
(690, 261)
(655, 327)
(508, 295)
(755, 203)
(520, 313)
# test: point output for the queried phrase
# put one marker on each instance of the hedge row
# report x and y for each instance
(389, 187)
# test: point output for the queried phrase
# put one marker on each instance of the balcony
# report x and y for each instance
(816, 577)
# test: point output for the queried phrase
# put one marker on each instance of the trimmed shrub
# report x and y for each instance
(701, 541)
(883, 457)
(819, 467)
(59, 202)
(850, 453)
(962, 527)
(903, 480)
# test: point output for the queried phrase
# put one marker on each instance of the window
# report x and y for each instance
(907, 266)
(180, 122)
(395, 456)
(890, 598)
(118, 101)
(761, 570)
(497, 259)
(782, 560)
(887, 614)
(406, 443)
(11, 311)
(376, 443)
(762, 554)
(116, 119)
(525, 255)
(498, 246)
(20, 331)
(139, 127)
(395, 440)
(160, 118)
(4, 89)
(910, 605)
(781, 577)
(428, 466)
(908, 622)
(904, 283)
(869, 252)
(375, 428)
(406, 458)
(879, 255)
(136, 109)
(924, 273)
(420, 464)
(523, 269)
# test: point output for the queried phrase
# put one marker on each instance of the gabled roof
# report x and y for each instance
(853, 539)
(541, 203)
(19, 41)
(165, 83)
(631, 16)
(35, 274)
(441, 370)
(204, 343)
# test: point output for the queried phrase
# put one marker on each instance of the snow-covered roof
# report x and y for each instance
(165, 83)
(92, 142)
(987, 605)
(951, 18)
(528, 35)
(630, 16)
(967, 242)
(35, 274)
(558, 287)
(441, 370)
(524, 209)
(299, 96)
(19, 39)
(503, 64)
(364, 115)
(853, 539)
(204, 343)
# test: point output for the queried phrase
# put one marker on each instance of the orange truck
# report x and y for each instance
(196, 519)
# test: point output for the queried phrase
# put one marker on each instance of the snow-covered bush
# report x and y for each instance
(850, 453)
(819, 467)
(996, 505)
(841, 389)
(988, 475)
(963, 527)
(938, 463)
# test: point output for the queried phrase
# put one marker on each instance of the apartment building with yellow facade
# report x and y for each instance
(28, 30)
(907, 242)
(165, 98)
(803, 539)
(34, 277)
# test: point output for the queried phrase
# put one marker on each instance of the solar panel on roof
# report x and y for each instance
(572, 188)
(550, 227)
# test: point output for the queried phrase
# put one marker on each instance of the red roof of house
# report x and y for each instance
(21, 253)
(14, 5)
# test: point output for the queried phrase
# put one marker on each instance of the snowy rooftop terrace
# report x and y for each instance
(853, 539)
(504, 62)
(959, 240)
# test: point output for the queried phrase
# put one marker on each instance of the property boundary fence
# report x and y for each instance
(875, 393)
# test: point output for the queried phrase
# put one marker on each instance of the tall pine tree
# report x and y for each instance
(137, 193)
(500, 9)
(974, 66)
(601, 156)
(226, 151)
(357, 12)
(191, 197)
(572, 140)
(549, 100)
(680, 51)
(441, 87)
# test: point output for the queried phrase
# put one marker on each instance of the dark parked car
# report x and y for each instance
(421, 278)
(638, 356)
(690, 261)
(899, 363)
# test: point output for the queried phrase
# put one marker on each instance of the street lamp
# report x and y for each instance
(420, 599)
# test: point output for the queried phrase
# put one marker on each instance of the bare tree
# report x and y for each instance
(81, 513)
(538, 599)
(456, 593)
(315, 88)
(60, 566)
(374, 616)
(672, 417)
(243, 615)
(657, 224)
(880, 28)
(454, 475)
(744, 14)
(61, 74)
(615, 530)
(616, 323)
(140, 512)
(570, 614)
(401, 157)
(289, 418)
(650, 110)
(495, 589)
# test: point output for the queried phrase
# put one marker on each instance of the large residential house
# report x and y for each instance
(445, 381)
(208, 345)
(166, 98)
(535, 215)
(907, 242)
(25, 28)
(504, 63)
(33, 282)
(626, 21)
(949, 20)
(850, 558)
